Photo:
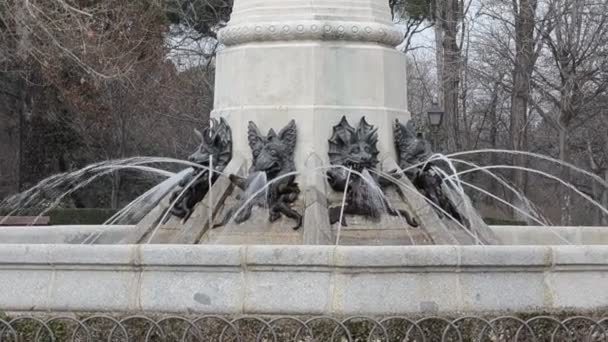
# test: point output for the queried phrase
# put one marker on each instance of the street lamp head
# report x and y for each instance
(435, 115)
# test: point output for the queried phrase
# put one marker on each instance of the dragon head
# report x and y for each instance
(273, 153)
(216, 143)
(411, 147)
(354, 147)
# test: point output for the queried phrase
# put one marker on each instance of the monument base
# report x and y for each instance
(315, 84)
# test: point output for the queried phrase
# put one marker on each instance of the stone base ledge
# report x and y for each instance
(302, 280)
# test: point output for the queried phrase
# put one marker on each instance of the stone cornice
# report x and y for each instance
(311, 30)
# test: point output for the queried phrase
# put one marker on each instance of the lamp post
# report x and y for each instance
(435, 116)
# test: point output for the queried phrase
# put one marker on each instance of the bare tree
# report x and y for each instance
(576, 70)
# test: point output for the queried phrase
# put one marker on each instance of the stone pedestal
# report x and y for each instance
(311, 61)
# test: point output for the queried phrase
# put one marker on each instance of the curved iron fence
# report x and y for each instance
(287, 328)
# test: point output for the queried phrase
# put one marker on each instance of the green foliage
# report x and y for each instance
(503, 222)
(80, 216)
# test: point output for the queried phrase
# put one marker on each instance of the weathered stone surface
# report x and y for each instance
(316, 217)
(97, 291)
(393, 293)
(257, 229)
(214, 292)
(503, 291)
(372, 256)
(520, 256)
(25, 290)
(314, 66)
(287, 292)
(509, 235)
(287, 255)
(185, 255)
(577, 288)
(64, 234)
(302, 279)
(551, 235)
(316, 225)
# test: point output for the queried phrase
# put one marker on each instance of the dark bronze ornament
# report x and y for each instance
(273, 157)
(355, 149)
(214, 151)
(414, 152)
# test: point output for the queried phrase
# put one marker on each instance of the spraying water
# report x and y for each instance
(134, 211)
(350, 171)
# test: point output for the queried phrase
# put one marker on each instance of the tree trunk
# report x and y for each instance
(448, 18)
(524, 12)
(525, 17)
(22, 108)
(439, 60)
(604, 202)
(493, 117)
(565, 193)
(597, 192)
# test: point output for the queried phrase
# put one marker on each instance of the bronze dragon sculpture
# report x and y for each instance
(355, 149)
(273, 156)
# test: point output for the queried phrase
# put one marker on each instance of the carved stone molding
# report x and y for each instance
(311, 30)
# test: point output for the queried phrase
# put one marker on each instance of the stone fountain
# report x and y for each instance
(309, 150)
(306, 77)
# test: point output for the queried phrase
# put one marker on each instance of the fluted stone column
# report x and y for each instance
(312, 61)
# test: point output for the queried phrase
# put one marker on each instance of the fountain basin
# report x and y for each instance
(319, 280)
(99, 234)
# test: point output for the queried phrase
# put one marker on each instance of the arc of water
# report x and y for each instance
(350, 170)
(210, 184)
(177, 198)
(545, 174)
(32, 193)
(536, 155)
(378, 190)
(163, 188)
(431, 203)
(508, 186)
(131, 205)
(210, 191)
(387, 176)
(91, 179)
(517, 209)
(439, 156)
(123, 212)
(252, 196)
(468, 208)
(54, 181)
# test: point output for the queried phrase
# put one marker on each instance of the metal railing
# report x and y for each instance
(306, 329)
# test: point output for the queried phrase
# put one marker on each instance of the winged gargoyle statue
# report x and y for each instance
(273, 155)
(355, 149)
(215, 150)
(414, 154)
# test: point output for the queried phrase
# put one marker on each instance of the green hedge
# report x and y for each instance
(503, 222)
(80, 216)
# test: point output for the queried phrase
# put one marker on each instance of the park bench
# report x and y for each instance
(24, 221)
